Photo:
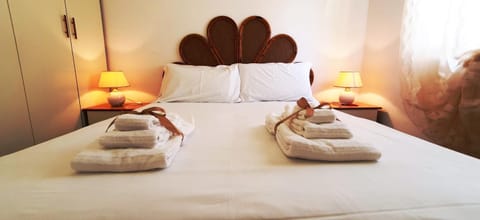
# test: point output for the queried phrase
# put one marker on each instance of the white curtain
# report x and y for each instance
(441, 95)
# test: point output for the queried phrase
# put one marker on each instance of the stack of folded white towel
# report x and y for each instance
(137, 142)
(317, 137)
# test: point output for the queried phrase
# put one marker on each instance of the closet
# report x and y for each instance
(55, 51)
(15, 129)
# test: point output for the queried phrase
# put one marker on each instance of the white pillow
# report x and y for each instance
(187, 83)
(275, 82)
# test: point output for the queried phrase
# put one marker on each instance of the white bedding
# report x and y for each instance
(231, 168)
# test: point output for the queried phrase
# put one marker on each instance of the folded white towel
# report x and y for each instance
(319, 115)
(129, 122)
(127, 160)
(100, 159)
(308, 129)
(270, 122)
(186, 127)
(143, 138)
(294, 145)
(135, 139)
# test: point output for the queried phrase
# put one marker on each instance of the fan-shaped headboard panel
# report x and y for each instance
(280, 47)
(226, 44)
(195, 50)
(223, 37)
(254, 35)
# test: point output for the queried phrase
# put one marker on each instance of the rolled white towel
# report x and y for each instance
(129, 122)
(319, 115)
(144, 138)
(294, 145)
(135, 139)
(311, 130)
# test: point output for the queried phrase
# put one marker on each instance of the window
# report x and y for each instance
(437, 37)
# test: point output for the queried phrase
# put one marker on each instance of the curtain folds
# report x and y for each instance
(440, 89)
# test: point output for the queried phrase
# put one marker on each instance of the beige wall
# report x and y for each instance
(334, 35)
(143, 35)
(381, 63)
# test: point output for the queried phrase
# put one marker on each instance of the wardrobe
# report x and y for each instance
(52, 53)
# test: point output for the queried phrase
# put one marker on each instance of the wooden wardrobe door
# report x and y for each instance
(88, 48)
(47, 67)
(15, 130)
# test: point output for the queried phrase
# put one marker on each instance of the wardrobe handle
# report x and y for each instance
(74, 28)
(65, 22)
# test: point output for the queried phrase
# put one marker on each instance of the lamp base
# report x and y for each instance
(116, 98)
(347, 97)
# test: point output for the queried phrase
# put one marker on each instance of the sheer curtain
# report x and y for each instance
(441, 93)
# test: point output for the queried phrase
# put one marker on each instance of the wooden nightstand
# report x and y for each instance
(103, 111)
(359, 109)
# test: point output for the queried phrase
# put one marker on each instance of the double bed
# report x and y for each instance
(230, 167)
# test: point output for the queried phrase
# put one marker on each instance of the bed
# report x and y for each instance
(230, 167)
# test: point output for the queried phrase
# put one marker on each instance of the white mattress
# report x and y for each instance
(231, 168)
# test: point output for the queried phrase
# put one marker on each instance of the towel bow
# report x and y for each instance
(161, 115)
(304, 105)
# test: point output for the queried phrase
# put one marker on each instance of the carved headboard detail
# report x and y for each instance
(226, 44)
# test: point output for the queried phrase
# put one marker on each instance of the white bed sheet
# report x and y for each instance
(231, 168)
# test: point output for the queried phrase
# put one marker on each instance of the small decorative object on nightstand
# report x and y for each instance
(348, 80)
(113, 81)
(359, 109)
(104, 111)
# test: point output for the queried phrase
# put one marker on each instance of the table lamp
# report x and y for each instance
(347, 80)
(113, 81)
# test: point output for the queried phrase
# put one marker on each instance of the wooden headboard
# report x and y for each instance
(226, 44)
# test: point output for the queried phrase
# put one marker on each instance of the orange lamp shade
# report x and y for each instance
(347, 80)
(112, 80)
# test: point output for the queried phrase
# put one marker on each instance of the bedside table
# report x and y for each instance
(359, 109)
(103, 111)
